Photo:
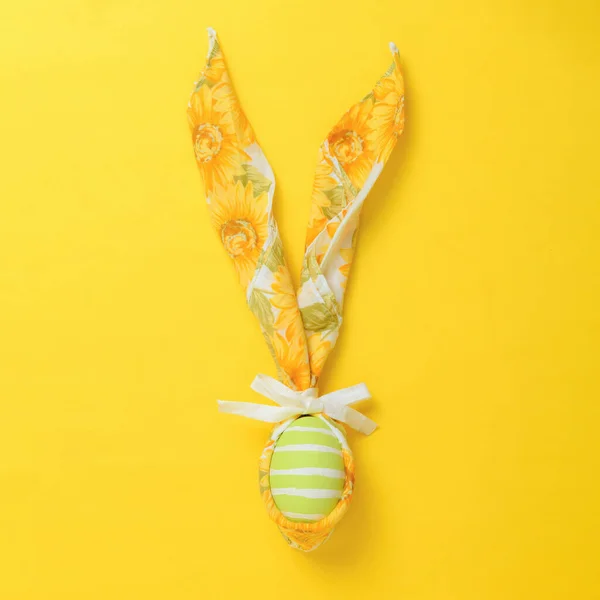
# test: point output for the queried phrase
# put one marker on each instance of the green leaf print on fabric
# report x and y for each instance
(261, 308)
(317, 317)
(259, 182)
(273, 256)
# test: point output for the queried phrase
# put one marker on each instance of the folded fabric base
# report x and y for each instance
(306, 531)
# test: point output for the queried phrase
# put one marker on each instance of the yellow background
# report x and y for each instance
(473, 312)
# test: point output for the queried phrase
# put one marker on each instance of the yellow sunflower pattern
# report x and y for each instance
(350, 160)
(239, 186)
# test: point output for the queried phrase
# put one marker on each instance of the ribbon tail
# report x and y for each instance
(267, 386)
(352, 418)
(359, 421)
(349, 395)
(258, 412)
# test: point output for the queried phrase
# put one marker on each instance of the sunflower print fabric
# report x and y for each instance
(351, 159)
(300, 326)
(239, 186)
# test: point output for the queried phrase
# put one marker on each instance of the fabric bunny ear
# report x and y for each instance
(350, 160)
(239, 186)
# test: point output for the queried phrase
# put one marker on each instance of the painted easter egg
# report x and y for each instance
(307, 470)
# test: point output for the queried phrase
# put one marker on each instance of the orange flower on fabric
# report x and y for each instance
(349, 143)
(241, 221)
(323, 183)
(214, 69)
(216, 147)
(347, 254)
(387, 122)
(316, 222)
(332, 228)
(318, 350)
(291, 358)
(226, 102)
(284, 298)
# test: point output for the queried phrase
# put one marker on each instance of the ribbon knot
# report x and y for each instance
(313, 406)
(335, 405)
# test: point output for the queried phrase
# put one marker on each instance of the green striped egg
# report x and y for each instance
(307, 470)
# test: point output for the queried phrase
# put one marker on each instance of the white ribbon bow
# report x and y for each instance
(292, 403)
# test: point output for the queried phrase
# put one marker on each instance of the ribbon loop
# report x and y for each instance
(335, 405)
